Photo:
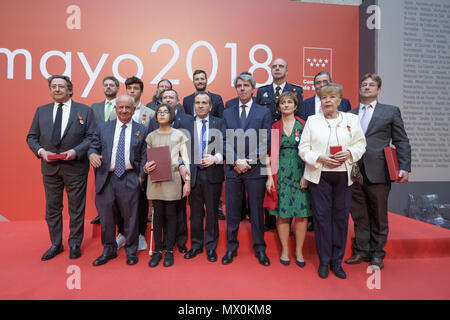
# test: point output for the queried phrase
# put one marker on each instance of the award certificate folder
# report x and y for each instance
(392, 163)
(163, 170)
(56, 156)
(335, 149)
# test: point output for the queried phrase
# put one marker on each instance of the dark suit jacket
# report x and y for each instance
(214, 172)
(102, 144)
(234, 101)
(386, 125)
(77, 136)
(266, 97)
(217, 105)
(258, 118)
(309, 107)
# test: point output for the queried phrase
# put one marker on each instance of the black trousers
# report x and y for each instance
(330, 200)
(369, 208)
(204, 194)
(118, 198)
(75, 186)
(181, 228)
(164, 224)
(142, 211)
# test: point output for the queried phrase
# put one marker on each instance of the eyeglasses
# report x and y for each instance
(163, 112)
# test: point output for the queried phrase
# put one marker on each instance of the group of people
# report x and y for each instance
(283, 159)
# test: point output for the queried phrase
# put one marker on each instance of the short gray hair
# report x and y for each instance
(245, 76)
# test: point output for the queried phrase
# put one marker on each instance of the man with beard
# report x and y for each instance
(200, 81)
(163, 84)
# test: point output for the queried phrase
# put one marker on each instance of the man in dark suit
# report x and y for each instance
(118, 152)
(184, 122)
(104, 110)
(206, 178)
(268, 94)
(163, 84)
(312, 105)
(382, 124)
(247, 140)
(200, 81)
(63, 127)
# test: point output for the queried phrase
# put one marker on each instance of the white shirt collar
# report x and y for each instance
(373, 104)
(281, 86)
(68, 103)
(200, 120)
(248, 104)
(113, 101)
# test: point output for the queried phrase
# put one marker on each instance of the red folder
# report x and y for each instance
(163, 170)
(335, 149)
(56, 156)
(392, 163)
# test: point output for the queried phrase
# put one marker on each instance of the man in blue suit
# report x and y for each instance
(200, 81)
(118, 152)
(268, 94)
(185, 122)
(312, 105)
(247, 139)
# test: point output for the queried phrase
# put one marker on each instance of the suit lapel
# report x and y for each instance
(375, 116)
(236, 116)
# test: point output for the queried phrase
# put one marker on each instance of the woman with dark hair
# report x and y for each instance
(285, 178)
(165, 194)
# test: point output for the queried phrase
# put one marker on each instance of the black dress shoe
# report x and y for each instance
(103, 259)
(356, 259)
(212, 256)
(338, 271)
(222, 216)
(377, 262)
(182, 249)
(168, 259)
(132, 259)
(52, 252)
(96, 220)
(323, 271)
(228, 257)
(156, 258)
(192, 253)
(75, 252)
(262, 258)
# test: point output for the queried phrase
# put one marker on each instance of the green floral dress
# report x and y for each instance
(293, 202)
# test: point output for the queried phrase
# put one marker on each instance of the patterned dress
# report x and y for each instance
(293, 202)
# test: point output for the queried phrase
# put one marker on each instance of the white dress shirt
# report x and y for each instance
(247, 109)
(276, 85)
(117, 131)
(199, 124)
(370, 111)
(65, 114)
(318, 104)
(137, 112)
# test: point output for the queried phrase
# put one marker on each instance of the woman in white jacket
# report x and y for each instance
(330, 143)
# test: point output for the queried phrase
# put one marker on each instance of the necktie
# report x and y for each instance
(243, 116)
(203, 141)
(365, 119)
(56, 133)
(277, 92)
(108, 110)
(119, 169)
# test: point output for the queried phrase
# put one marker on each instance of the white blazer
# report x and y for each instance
(315, 142)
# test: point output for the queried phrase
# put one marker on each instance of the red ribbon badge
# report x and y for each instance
(296, 135)
(80, 118)
(349, 129)
(144, 116)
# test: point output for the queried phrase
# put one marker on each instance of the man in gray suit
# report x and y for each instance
(63, 127)
(382, 124)
(104, 110)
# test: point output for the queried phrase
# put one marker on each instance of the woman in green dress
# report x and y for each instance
(287, 196)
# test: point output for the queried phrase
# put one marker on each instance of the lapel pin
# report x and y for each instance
(80, 118)
(144, 116)
(138, 134)
(265, 95)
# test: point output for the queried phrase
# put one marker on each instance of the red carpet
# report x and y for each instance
(417, 267)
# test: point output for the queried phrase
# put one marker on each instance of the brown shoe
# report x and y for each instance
(377, 262)
(356, 259)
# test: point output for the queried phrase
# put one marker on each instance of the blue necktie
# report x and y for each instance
(203, 142)
(243, 116)
(120, 154)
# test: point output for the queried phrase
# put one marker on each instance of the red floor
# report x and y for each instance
(417, 267)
